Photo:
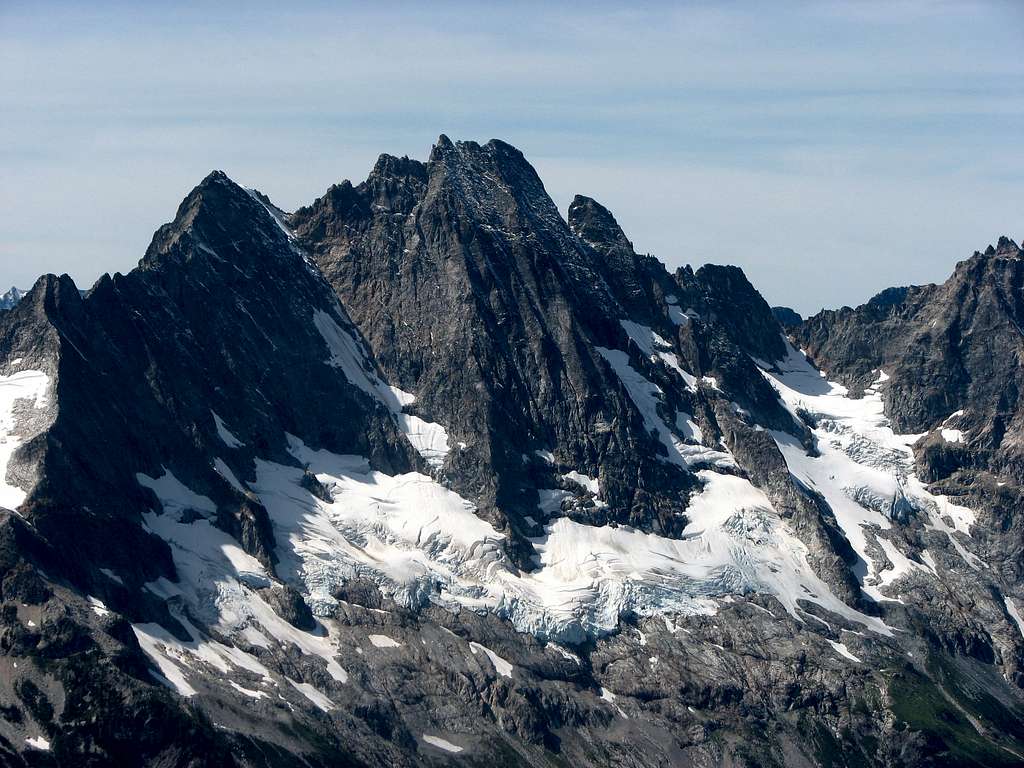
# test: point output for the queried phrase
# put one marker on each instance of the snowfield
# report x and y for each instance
(864, 470)
(420, 542)
(219, 582)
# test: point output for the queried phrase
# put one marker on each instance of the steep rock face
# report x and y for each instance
(715, 316)
(733, 302)
(476, 295)
(640, 284)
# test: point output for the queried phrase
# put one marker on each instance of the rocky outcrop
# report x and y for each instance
(788, 318)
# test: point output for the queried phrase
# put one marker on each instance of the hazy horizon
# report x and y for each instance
(830, 150)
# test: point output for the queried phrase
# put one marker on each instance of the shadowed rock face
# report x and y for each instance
(788, 318)
(219, 302)
(238, 541)
(138, 368)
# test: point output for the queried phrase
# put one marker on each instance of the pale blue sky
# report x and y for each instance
(830, 149)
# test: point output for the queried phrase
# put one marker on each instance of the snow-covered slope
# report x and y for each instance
(865, 472)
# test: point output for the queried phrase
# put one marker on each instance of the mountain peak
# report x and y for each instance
(216, 177)
(215, 191)
(50, 298)
(594, 223)
(1006, 247)
(787, 317)
(391, 166)
(442, 148)
(495, 155)
(53, 288)
(889, 297)
(11, 297)
(742, 310)
(218, 216)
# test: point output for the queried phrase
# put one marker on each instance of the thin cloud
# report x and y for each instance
(885, 134)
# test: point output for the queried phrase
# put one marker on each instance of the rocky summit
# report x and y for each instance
(425, 473)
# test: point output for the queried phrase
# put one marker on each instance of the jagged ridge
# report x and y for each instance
(512, 390)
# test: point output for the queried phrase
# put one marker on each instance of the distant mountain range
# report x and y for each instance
(424, 473)
(11, 297)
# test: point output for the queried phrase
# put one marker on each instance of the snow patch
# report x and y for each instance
(929, 561)
(587, 483)
(383, 641)
(429, 439)
(842, 650)
(247, 691)
(171, 675)
(437, 741)
(98, 607)
(225, 471)
(952, 435)
(676, 315)
(21, 387)
(688, 427)
(565, 653)
(549, 500)
(610, 698)
(646, 396)
(111, 575)
(175, 497)
(311, 693)
(502, 667)
(656, 348)
(225, 434)
(1011, 608)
